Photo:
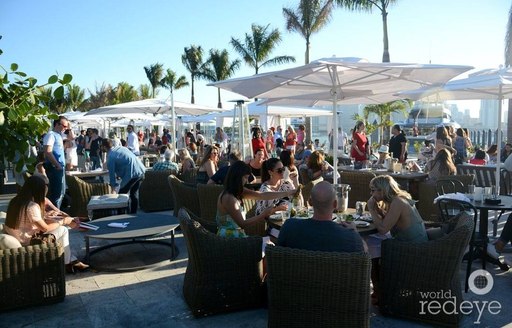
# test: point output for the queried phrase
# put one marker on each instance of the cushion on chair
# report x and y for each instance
(8, 241)
(435, 233)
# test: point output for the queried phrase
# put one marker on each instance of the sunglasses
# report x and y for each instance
(280, 170)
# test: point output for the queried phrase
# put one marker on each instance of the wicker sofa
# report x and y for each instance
(155, 192)
(223, 274)
(30, 275)
(317, 289)
(359, 185)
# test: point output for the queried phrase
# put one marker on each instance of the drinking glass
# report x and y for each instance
(495, 190)
(471, 191)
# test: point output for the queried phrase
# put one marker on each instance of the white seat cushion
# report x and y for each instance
(8, 241)
(108, 201)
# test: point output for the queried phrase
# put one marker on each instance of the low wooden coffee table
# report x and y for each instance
(142, 228)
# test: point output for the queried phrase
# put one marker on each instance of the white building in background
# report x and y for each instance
(489, 113)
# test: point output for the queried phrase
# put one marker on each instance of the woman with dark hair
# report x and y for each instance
(479, 158)
(359, 143)
(461, 145)
(256, 163)
(291, 171)
(505, 153)
(441, 165)
(398, 144)
(272, 176)
(258, 142)
(26, 217)
(231, 218)
(208, 165)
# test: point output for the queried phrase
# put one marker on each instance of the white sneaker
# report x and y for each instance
(491, 251)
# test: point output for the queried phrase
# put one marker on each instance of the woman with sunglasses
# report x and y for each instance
(208, 165)
(272, 176)
(231, 216)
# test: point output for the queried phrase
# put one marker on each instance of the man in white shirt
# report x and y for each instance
(132, 140)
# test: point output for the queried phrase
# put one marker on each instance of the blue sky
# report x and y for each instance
(110, 41)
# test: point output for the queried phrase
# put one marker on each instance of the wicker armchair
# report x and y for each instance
(184, 195)
(155, 192)
(31, 275)
(410, 271)
(359, 185)
(208, 196)
(189, 176)
(81, 192)
(317, 289)
(223, 274)
(207, 224)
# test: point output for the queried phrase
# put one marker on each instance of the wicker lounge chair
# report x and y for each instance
(223, 274)
(184, 195)
(208, 196)
(317, 289)
(81, 192)
(256, 229)
(410, 271)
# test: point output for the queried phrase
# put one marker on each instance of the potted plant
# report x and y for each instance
(23, 115)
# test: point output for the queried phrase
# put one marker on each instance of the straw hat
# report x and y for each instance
(383, 149)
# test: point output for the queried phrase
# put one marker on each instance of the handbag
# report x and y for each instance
(43, 238)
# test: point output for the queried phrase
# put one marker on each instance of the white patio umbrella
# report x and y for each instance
(346, 80)
(153, 106)
(484, 84)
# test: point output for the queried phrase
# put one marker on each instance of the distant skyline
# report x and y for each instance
(111, 41)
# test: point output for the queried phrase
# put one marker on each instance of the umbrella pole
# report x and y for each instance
(173, 118)
(332, 72)
(498, 141)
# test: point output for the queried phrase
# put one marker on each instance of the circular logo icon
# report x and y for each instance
(476, 279)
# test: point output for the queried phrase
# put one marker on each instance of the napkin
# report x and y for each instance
(456, 196)
(118, 224)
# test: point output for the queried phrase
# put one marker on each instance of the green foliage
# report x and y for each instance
(218, 67)
(24, 114)
(257, 47)
(417, 146)
(382, 111)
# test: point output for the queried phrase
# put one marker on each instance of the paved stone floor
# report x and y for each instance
(153, 297)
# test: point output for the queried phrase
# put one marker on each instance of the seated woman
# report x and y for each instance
(208, 165)
(492, 153)
(256, 163)
(187, 163)
(272, 177)
(231, 218)
(441, 165)
(26, 216)
(479, 158)
(291, 171)
(393, 211)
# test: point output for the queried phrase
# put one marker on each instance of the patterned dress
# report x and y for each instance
(228, 227)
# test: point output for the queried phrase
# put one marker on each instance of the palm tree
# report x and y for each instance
(125, 92)
(383, 112)
(144, 91)
(367, 5)
(193, 61)
(102, 96)
(508, 63)
(154, 73)
(308, 18)
(75, 98)
(257, 47)
(54, 104)
(218, 67)
(172, 82)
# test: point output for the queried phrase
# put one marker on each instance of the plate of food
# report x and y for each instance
(361, 224)
(277, 216)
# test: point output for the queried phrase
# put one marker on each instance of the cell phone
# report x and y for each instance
(67, 131)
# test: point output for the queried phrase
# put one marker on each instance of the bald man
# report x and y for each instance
(320, 233)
